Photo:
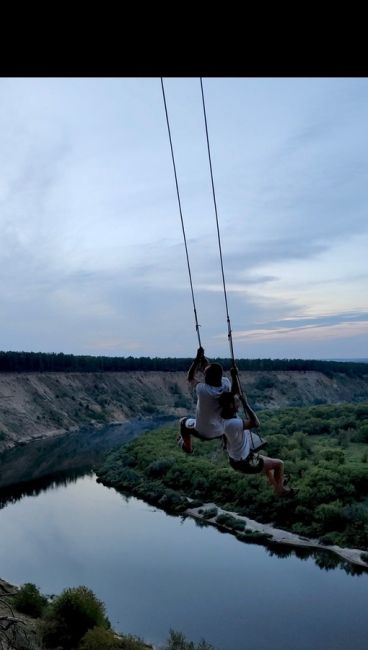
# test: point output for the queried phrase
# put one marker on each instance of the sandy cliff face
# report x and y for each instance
(34, 405)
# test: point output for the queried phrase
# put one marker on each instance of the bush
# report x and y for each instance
(328, 539)
(70, 616)
(229, 521)
(177, 641)
(209, 513)
(29, 600)
(98, 638)
(172, 500)
(331, 516)
(159, 467)
(101, 639)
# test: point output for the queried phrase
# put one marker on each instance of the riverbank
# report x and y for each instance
(322, 515)
(57, 460)
(272, 534)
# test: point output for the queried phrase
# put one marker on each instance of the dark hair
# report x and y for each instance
(213, 374)
(228, 406)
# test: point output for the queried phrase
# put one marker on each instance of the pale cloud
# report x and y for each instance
(307, 332)
(91, 253)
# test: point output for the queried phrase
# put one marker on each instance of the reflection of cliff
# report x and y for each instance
(33, 405)
(67, 455)
(13, 493)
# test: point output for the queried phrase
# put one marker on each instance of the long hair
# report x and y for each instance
(228, 405)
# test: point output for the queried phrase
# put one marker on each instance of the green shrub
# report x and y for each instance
(159, 467)
(172, 500)
(331, 516)
(329, 539)
(208, 513)
(29, 600)
(177, 641)
(70, 616)
(98, 638)
(229, 521)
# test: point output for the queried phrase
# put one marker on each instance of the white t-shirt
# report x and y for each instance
(238, 440)
(208, 421)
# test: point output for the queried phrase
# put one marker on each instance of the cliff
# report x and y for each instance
(36, 405)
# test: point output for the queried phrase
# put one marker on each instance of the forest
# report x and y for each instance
(325, 450)
(59, 362)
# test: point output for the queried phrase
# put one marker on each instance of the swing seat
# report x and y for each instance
(256, 442)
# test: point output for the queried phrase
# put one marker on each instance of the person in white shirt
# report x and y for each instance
(208, 422)
(239, 443)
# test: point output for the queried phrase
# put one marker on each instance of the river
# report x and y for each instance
(155, 572)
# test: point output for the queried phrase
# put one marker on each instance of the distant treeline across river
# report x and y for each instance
(59, 362)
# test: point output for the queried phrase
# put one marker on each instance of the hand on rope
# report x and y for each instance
(201, 360)
(234, 372)
(200, 353)
(235, 383)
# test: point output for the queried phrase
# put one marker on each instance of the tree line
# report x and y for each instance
(60, 362)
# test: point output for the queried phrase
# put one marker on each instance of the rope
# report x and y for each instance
(197, 326)
(229, 332)
(230, 339)
(229, 335)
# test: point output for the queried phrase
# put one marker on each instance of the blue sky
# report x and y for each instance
(91, 251)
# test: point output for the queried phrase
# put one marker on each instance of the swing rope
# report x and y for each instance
(197, 326)
(229, 330)
(229, 334)
(230, 338)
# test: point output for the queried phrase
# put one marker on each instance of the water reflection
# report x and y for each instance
(57, 462)
(144, 565)
(13, 493)
(43, 464)
(324, 559)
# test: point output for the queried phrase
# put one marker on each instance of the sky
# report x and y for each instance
(92, 258)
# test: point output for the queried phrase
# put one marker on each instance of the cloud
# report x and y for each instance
(306, 337)
(307, 332)
(92, 254)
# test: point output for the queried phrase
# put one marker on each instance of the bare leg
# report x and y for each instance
(185, 438)
(274, 470)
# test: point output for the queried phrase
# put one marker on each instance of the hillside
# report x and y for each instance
(34, 405)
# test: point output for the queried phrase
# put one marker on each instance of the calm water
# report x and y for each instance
(154, 571)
